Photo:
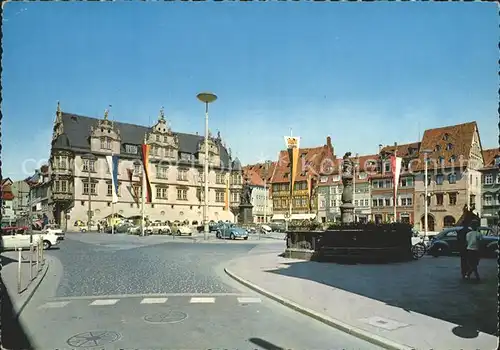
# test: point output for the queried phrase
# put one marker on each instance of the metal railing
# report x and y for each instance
(36, 260)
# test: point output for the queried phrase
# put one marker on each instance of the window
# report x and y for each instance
(407, 182)
(110, 190)
(407, 202)
(429, 179)
(235, 197)
(132, 149)
(182, 194)
(161, 172)
(387, 202)
(356, 203)
(219, 196)
(453, 159)
(199, 194)
(155, 151)
(488, 179)
(182, 175)
(219, 178)
(304, 201)
(439, 198)
(367, 202)
(488, 200)
(449, 147)
(162, 192)
(170, 153)
(158, 138)
(380, 202)
(497, 160)
(323, 179)
(61, 186)
(105, 143)
(137, 168)
(439, 179)
(387, 167)
(89, 165)
(451, 234)
(93, 188)
(438, 148)
(275, 203)
(452, 197)
(375, 202)
(452, 178)
(60, 162)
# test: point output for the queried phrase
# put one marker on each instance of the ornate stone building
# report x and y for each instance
(78, 168)
(491, 187)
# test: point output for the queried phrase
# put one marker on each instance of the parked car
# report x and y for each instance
(122, 227)
(157, 228)
(13, 238)
(277, 226)
(231, 231)
(182, 230)
(265, 228)
(55, 229)
(446, 242)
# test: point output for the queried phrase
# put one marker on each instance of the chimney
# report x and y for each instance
(380, 148)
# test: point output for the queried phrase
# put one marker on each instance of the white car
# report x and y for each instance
(55, 229)
(183, 230)
(23, 239)
(266, 228)
(158, 227)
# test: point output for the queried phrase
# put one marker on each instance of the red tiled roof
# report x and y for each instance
(260, 170)
(489, 156)
(437, 140)
(253, 177)
(7, 194)
(404, 150)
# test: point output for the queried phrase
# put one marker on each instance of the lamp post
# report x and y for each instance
(426, 219)
(89, 157)
(206, 98)
(266, 192)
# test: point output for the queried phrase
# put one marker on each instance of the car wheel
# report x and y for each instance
(84, 230)
(179, 233)
(46, 245)
(245, 238)
(232, 236)
(217, 235)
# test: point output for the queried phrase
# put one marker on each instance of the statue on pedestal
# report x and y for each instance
(347, 208)
(246, 215)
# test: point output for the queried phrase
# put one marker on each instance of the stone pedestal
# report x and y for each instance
(347, 213)
(246, 216)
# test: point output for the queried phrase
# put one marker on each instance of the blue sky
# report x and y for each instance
(363, 73)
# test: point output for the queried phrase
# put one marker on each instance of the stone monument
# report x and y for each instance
(347, 208)
(246, 216)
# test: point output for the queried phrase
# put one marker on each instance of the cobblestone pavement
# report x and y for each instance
(124, 292)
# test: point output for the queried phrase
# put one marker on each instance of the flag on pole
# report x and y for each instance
(396, 171)
(113, 169)
(146, 183)
(292, 144)
(226, 194)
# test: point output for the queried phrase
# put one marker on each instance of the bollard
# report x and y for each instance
(37, 257)
(42, 258)
(31, 261)
(19, 261)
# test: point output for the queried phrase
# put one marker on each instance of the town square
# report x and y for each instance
(250, 177)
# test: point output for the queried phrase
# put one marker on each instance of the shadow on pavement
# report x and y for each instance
(264, 344)
(13, 334)
(430, 286)
(6, 260)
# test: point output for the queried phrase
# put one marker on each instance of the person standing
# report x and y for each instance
(473, 239)
(464, 221)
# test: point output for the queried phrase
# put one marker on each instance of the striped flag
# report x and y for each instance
(113, 169)
(396, 171)
(146, 188)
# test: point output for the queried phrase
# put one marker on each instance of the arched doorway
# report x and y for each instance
(449, 221)
(430, 222)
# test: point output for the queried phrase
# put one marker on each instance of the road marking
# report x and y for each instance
(54, 304)
(102, 302)
(154, 300)
(202, 300)
(151, 295)
(248, 300)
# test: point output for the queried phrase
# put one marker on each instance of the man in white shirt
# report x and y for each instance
(473, 239)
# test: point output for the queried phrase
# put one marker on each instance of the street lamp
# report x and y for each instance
(206, 97)
(426, 155)
(89, 157)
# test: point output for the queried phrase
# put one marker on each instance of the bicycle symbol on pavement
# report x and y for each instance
(93, 338)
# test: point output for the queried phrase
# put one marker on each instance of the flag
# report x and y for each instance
(146, 184)
(309, 191)
(113, 169)
(226, 194)
(292, 144)
(396, 171)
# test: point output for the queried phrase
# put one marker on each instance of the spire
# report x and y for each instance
(59, 109)
(161, 117)
(106, 113)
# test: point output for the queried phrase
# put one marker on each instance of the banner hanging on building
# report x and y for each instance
(146, 179)
(292, 144)
(396, 163)
(113, 169)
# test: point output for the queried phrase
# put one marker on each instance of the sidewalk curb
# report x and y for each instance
(344, 327)
(35, 287)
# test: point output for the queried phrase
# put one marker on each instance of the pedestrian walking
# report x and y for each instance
(98, 227)
(464, 221)
(473, 238)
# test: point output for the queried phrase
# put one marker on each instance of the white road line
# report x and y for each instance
(102, 302)
(202, 300)
(148, 295)
(248, 300)
(154, 300)
(54, 304)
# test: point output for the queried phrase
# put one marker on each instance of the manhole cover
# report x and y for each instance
(166, 317)
(93, 338)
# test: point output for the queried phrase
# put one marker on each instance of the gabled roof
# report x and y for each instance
(6, 181)
(405, 150)
(489, 156)
(76, 129)
(314, 161)
(436, 141)
(7, 194)
(256, 173)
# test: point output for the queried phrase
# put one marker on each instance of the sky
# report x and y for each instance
(363, 73)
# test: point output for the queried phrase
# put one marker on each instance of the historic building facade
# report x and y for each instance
(382, 184)
(259, 178)
(8, 214)
(312, 164)
(454, 157)
(490, 187)
(79, 173)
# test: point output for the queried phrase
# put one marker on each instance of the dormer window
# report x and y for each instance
(446, 136)
(449, 147)
(105, 143)
(497, 160)
(453, 159)
(158, 138)
(438, 148)
(441, 160)
(132, 149)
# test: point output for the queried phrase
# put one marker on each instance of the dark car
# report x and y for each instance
(446, 242)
